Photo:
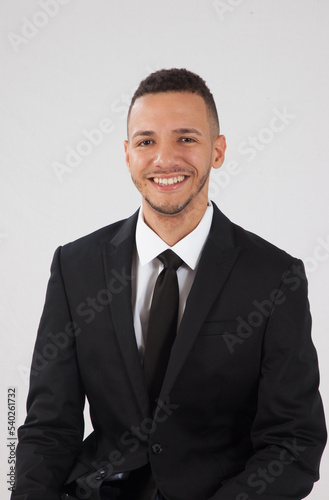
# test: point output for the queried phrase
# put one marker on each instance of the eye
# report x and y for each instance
(187, 139)
(146, 142)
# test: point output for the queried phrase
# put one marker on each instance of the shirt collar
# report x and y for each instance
(150, 245)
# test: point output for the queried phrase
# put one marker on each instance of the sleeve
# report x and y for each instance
(289, 432)
(52, 433)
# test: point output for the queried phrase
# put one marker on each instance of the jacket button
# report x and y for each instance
(101, 474)
(156, 448)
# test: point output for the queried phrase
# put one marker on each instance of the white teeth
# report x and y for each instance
(170, 181)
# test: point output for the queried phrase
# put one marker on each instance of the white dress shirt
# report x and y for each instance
(146, 268)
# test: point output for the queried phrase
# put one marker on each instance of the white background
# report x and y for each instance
(78, 66)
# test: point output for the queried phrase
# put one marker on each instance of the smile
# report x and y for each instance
(168, 181)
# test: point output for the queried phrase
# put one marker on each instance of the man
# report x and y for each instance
(200, 371)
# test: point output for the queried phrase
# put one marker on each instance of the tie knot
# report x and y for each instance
(170, 260)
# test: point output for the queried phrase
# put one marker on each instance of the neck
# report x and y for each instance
(173, 228)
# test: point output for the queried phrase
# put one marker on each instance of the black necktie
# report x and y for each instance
(162, 326)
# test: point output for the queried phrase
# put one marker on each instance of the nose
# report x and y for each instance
(165, 155)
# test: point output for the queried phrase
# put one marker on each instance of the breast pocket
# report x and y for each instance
(219, 328)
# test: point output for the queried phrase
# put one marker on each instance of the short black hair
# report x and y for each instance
(179, 80)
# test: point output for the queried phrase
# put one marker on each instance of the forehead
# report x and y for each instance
(166, 108)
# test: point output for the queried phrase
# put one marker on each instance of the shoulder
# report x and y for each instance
(93, 243)
(248, 240)
(263, 261)
(255, 252)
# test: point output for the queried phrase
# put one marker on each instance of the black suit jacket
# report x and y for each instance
(239, 416)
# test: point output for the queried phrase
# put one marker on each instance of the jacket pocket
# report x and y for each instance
(219, 327)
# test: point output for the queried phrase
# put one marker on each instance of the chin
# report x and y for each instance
(169, 209)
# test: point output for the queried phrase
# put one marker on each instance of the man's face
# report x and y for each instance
(170, 151)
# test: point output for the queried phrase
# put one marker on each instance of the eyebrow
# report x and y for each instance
(187, 131)
(148, 133)
(143, 133)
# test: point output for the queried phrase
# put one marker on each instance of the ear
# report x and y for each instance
(218, 154)
(126, 146)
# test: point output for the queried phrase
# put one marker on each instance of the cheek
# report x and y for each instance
(198, 159)
(138, 167)
(139, 159)
(134, 163)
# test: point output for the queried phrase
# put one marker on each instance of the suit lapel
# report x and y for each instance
(217, 260)
(117, 262)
